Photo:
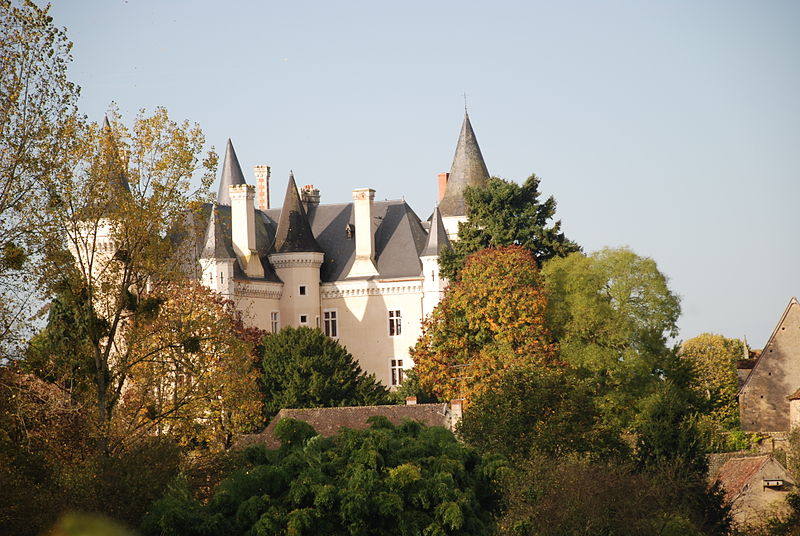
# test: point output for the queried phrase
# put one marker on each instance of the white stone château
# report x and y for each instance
(366, 272)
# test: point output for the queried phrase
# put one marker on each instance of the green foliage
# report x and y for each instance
(387, 479)
(411, 386)
(611, 313)
(569, 496)
(713, 359)
(539, 411)
(667, 430)
(503, 213)
(303, 368)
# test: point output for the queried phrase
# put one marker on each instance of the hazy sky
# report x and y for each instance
(672, 128)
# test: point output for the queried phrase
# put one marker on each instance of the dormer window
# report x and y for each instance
(349, 229)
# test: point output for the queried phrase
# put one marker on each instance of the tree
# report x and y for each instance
(612, 313)
(303, 368)
(568, 496)
(535, 412)
(120, 209)
(503, 213)
(38, 106)
(387, 479)
(713, 359)
(489, 321)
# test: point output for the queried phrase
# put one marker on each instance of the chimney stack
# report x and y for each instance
(456, 412)
(443, 184)
(262, 174)
(309, 196)
(411, 401)
(243, 227)
(364, 265)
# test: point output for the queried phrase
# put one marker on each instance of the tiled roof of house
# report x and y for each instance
(328, 421)
(735, 473)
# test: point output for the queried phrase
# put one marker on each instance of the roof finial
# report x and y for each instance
(465, 101)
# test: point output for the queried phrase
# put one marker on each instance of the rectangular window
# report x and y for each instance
(394, 323)
(302, 290)
(304, 319)
(330, 323)
(274, 320)
(397, 371)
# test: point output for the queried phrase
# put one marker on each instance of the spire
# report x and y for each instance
(294, 232)
(114, 170)
(468, 169)
(437, 236)
(231, 174)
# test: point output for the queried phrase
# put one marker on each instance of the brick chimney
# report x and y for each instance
(411, 401)
(442, 184)
(262, 174)
(309, 196)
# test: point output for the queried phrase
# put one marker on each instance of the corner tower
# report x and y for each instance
(297, 259)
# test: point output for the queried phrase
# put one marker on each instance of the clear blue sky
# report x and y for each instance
(672, 128)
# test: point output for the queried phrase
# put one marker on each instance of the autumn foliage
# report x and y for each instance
(488, 322)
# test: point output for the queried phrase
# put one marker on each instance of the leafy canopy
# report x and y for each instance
(304, 368)
(403, 480)
(490, 320)
(503, 213)
(539, 411)
(38, 109)
(612, 313)
(713, 359)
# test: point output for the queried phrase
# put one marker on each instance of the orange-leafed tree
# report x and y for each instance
(194, 377)
(487, 323)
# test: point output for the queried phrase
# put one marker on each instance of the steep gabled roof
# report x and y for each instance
(294, 232)
(468, 169)
(764, 353)
(437, 236)
(231, 174)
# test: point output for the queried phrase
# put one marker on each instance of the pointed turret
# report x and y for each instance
(468, 169)
(437, 236)
(294, 232)
(114, 170)
(217, 244)
(231, 174)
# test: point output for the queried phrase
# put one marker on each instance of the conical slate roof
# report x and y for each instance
(217, 242)
(117, 180)
(231, 174)
(468, 169)
(294, 232)
(437, 236)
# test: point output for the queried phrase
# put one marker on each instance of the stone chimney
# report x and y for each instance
(456, 412)
(411, 401)
(309, 196)
(262, 174)
(364, 265)
(442, 184)
(243, 228)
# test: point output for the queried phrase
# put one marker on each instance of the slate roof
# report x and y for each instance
(468, 169)
(399, 238)
(328, 421)
(117, 179)
(437, 236)
(231, 174)
(294, 232)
